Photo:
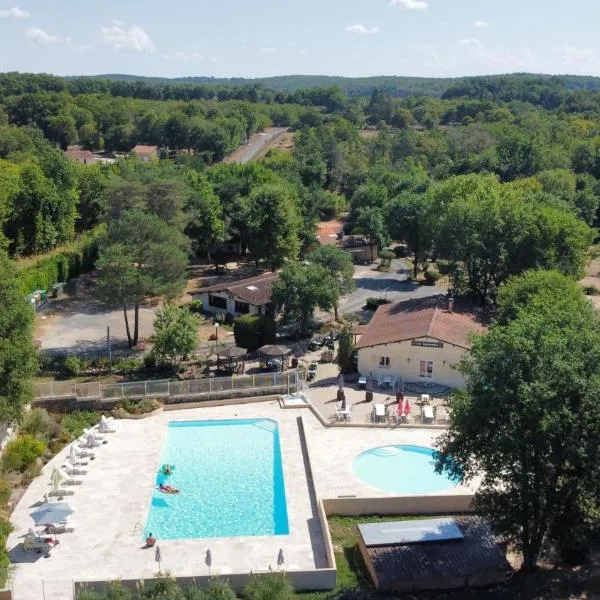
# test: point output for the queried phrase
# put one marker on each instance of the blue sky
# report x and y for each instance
(281, 37)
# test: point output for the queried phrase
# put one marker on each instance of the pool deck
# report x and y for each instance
(115, 497)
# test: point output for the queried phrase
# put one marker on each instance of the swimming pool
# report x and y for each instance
(401, 469)
(230, 477)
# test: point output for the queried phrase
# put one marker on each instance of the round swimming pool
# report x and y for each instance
(401, 470)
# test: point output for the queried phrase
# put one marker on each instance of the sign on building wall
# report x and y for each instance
(427, 344)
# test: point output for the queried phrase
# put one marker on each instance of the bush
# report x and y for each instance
(218, 589)
(74, 423)
(39, 423)
(148, 405)
(196, 306)
(73, 366)
(20, 454)
(128, 365)
(271, 586)
(5, 529)
(431, 276)
(5, 492)
(253, 331)
(375, 303)
(150, 361)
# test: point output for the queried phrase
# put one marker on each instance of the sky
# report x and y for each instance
(257, 38)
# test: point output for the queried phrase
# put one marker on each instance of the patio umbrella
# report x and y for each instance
(51, 513)
(341, 381)
(280, 559)
(208, 560)
(157, 557)
(344, 403)
(55, 479)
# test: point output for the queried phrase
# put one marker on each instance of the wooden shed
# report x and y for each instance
(432, 554)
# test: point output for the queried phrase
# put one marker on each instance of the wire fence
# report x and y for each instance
(165, 388)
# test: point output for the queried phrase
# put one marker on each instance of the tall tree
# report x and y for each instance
(273, 223)
(339, 265)
(18, 357)
(141, 257)
(301, 289)
(370, 222)
(528, 422)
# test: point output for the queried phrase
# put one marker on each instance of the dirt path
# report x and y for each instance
(258, 142)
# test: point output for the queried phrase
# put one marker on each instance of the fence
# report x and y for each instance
(165, 388)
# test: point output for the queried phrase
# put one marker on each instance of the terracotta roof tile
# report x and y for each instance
(142, 150)
(254, 290)
(423, 317)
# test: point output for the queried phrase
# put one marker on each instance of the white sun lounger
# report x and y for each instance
(81, 451)
(59, 493)
(34, 543)
(379, 410)
(69, 469)
(67, 479)
(105, 426)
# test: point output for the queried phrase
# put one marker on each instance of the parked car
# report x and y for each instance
(315, 343)
(312, 371)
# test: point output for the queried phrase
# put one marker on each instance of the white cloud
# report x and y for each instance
(481, 24)
(427, 54)
(409, 4)
(574, 54)
(127, 38)
(578, 60)
(15, 12)
(361, 29)
(185, 55)
(268, 50)
(38, 37)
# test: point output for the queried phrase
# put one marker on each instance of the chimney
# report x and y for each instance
(450, 305)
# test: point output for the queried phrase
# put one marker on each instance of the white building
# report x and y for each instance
(242, 297)
(420, 340)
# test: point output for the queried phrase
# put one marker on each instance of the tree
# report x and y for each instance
(18, 359)
(370, 222)
(141, 257)
(407, 218)
(345, 350)
(529, 419)
(175, 333)
(273, 224)
(339, 265)
(302, 288)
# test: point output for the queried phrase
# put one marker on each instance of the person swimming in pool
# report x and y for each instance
(167, 489)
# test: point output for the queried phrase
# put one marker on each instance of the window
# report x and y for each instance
(426, 369)
(217, 302)
(242, 308)
(384, 362)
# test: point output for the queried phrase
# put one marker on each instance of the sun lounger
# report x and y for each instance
(379, 412)
(97, 436)
(34, 543)
(58, 528)
(82, 451)
(69, 469)
(427, 414)
(59, 493)
(67, 479)
(105, 426)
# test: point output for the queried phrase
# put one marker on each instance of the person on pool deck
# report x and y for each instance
(167, 489)
(150, 540)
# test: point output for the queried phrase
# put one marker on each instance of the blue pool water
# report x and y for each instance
(401, 469)
(230, 478)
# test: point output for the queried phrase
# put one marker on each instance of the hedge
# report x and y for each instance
(79, 258)
(253, 331)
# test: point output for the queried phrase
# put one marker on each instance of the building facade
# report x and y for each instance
(420, 340)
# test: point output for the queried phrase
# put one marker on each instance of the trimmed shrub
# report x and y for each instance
(431, 276)
(21, 454)
(40, 424)
(401, 251)
(147, 405)
(253, 331)
(196, 306)
(79, 258)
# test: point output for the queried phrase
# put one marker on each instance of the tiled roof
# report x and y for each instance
(142, 150)
(327, 232)
(423, 317)
(254, 290)
(83, 156)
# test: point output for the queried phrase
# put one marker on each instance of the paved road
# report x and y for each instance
(257, 142)
(393, 285)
